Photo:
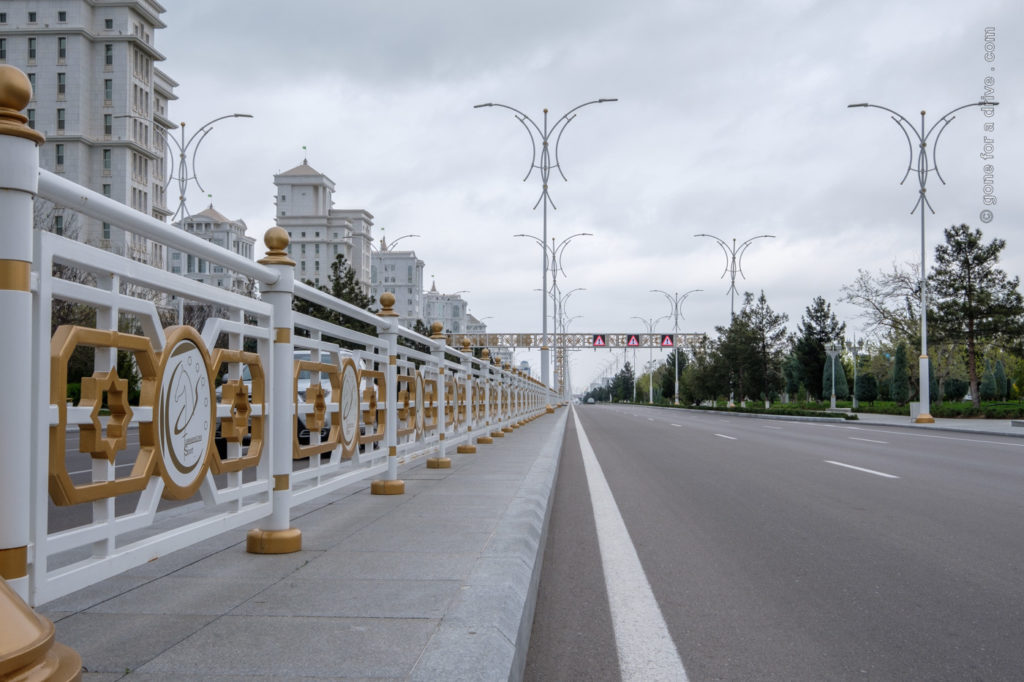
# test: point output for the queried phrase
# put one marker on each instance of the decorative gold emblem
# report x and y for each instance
(241, 421)
(186, 412)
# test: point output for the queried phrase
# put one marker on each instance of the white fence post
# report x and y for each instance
(467, 447)
(486, 381)
(390, 485)
(19, 173)
(278, 537)
(442, 461)
(28, 637)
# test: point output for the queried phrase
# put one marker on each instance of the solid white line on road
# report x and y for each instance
(866, 471)
(722, 435)
(868, 440)
(646, 650)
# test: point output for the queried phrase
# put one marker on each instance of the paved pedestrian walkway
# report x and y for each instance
(436, 584)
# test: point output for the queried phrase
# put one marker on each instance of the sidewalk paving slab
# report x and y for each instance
(437, 584)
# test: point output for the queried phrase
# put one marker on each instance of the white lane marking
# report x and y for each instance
(868, 440)
(646, 650)
(650, 419)
(722, 435)
(679, 425)
(866, 471)
(777, 428)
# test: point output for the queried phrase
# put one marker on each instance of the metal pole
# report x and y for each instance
(544, 166)
(924, 167)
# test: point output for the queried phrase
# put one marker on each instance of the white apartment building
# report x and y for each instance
(401, 273)
(448, 309)
(217, 229)
(100, 102)
(319, 232)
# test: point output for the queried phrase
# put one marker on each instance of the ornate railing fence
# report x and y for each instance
(228, 423)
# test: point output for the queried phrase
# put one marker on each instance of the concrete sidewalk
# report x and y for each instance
(436, 584)
(980, 427)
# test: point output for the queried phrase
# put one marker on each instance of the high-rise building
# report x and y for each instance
(401, 273)
(215, 228)
(448, 309)
(319, 232)
(101, 103)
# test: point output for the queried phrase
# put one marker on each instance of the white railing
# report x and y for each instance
(232, 424)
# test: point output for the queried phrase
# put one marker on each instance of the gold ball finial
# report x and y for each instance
(436, 330)
(15, 88)
(466, 344)
(486, 354)
(15, 94)
(276, 240)
(387, 305)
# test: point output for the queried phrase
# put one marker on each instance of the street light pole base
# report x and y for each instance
(924, 419)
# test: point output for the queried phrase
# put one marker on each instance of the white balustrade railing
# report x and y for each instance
(233, 423)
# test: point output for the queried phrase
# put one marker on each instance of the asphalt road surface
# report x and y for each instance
(778, 550)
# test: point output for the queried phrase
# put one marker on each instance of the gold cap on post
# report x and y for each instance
(465, 344)
(486, 354)
(15, 94)
(387, 305)
(436, 330)
(276, 239)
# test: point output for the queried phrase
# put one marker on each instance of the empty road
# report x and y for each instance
(780, 550)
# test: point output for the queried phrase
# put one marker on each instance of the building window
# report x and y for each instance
(108, 24)
(62, 17)
(106, 189)
(62, 49)
(32, 82)
(108, 90)
(59, 155)
(106, 231)
(108, 54)
(3, 17)
(3, 48)
(106, 161)
(58, 224)
(60, 120)
(62, 84)
(31, 17)
(108, 125)
(32, 50)
(31, 113)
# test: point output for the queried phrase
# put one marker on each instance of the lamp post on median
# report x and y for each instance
(832, 349)
(676, 299)
(734, 263)
(649, 323)
(544, 164)
(855, 348)
(924, 167)
(560, 349)
(184, 174)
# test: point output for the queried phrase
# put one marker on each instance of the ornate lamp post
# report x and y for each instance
(734, 263)
(544, 164)
(832, 349)
(923, 168)
(184, 175)
(649, 324)
(855, 348)
(676, 300)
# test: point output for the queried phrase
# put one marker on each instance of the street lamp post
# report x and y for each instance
(676, 299)
(544, 165)
(183, 147)
(384, 246)
(734, 263)
(649, 324)
(832, 349)
(855, 347)
(924, 167)
(560, 300)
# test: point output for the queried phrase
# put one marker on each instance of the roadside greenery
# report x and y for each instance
(976, 357)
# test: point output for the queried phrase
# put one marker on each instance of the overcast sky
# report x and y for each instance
(731, 120)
